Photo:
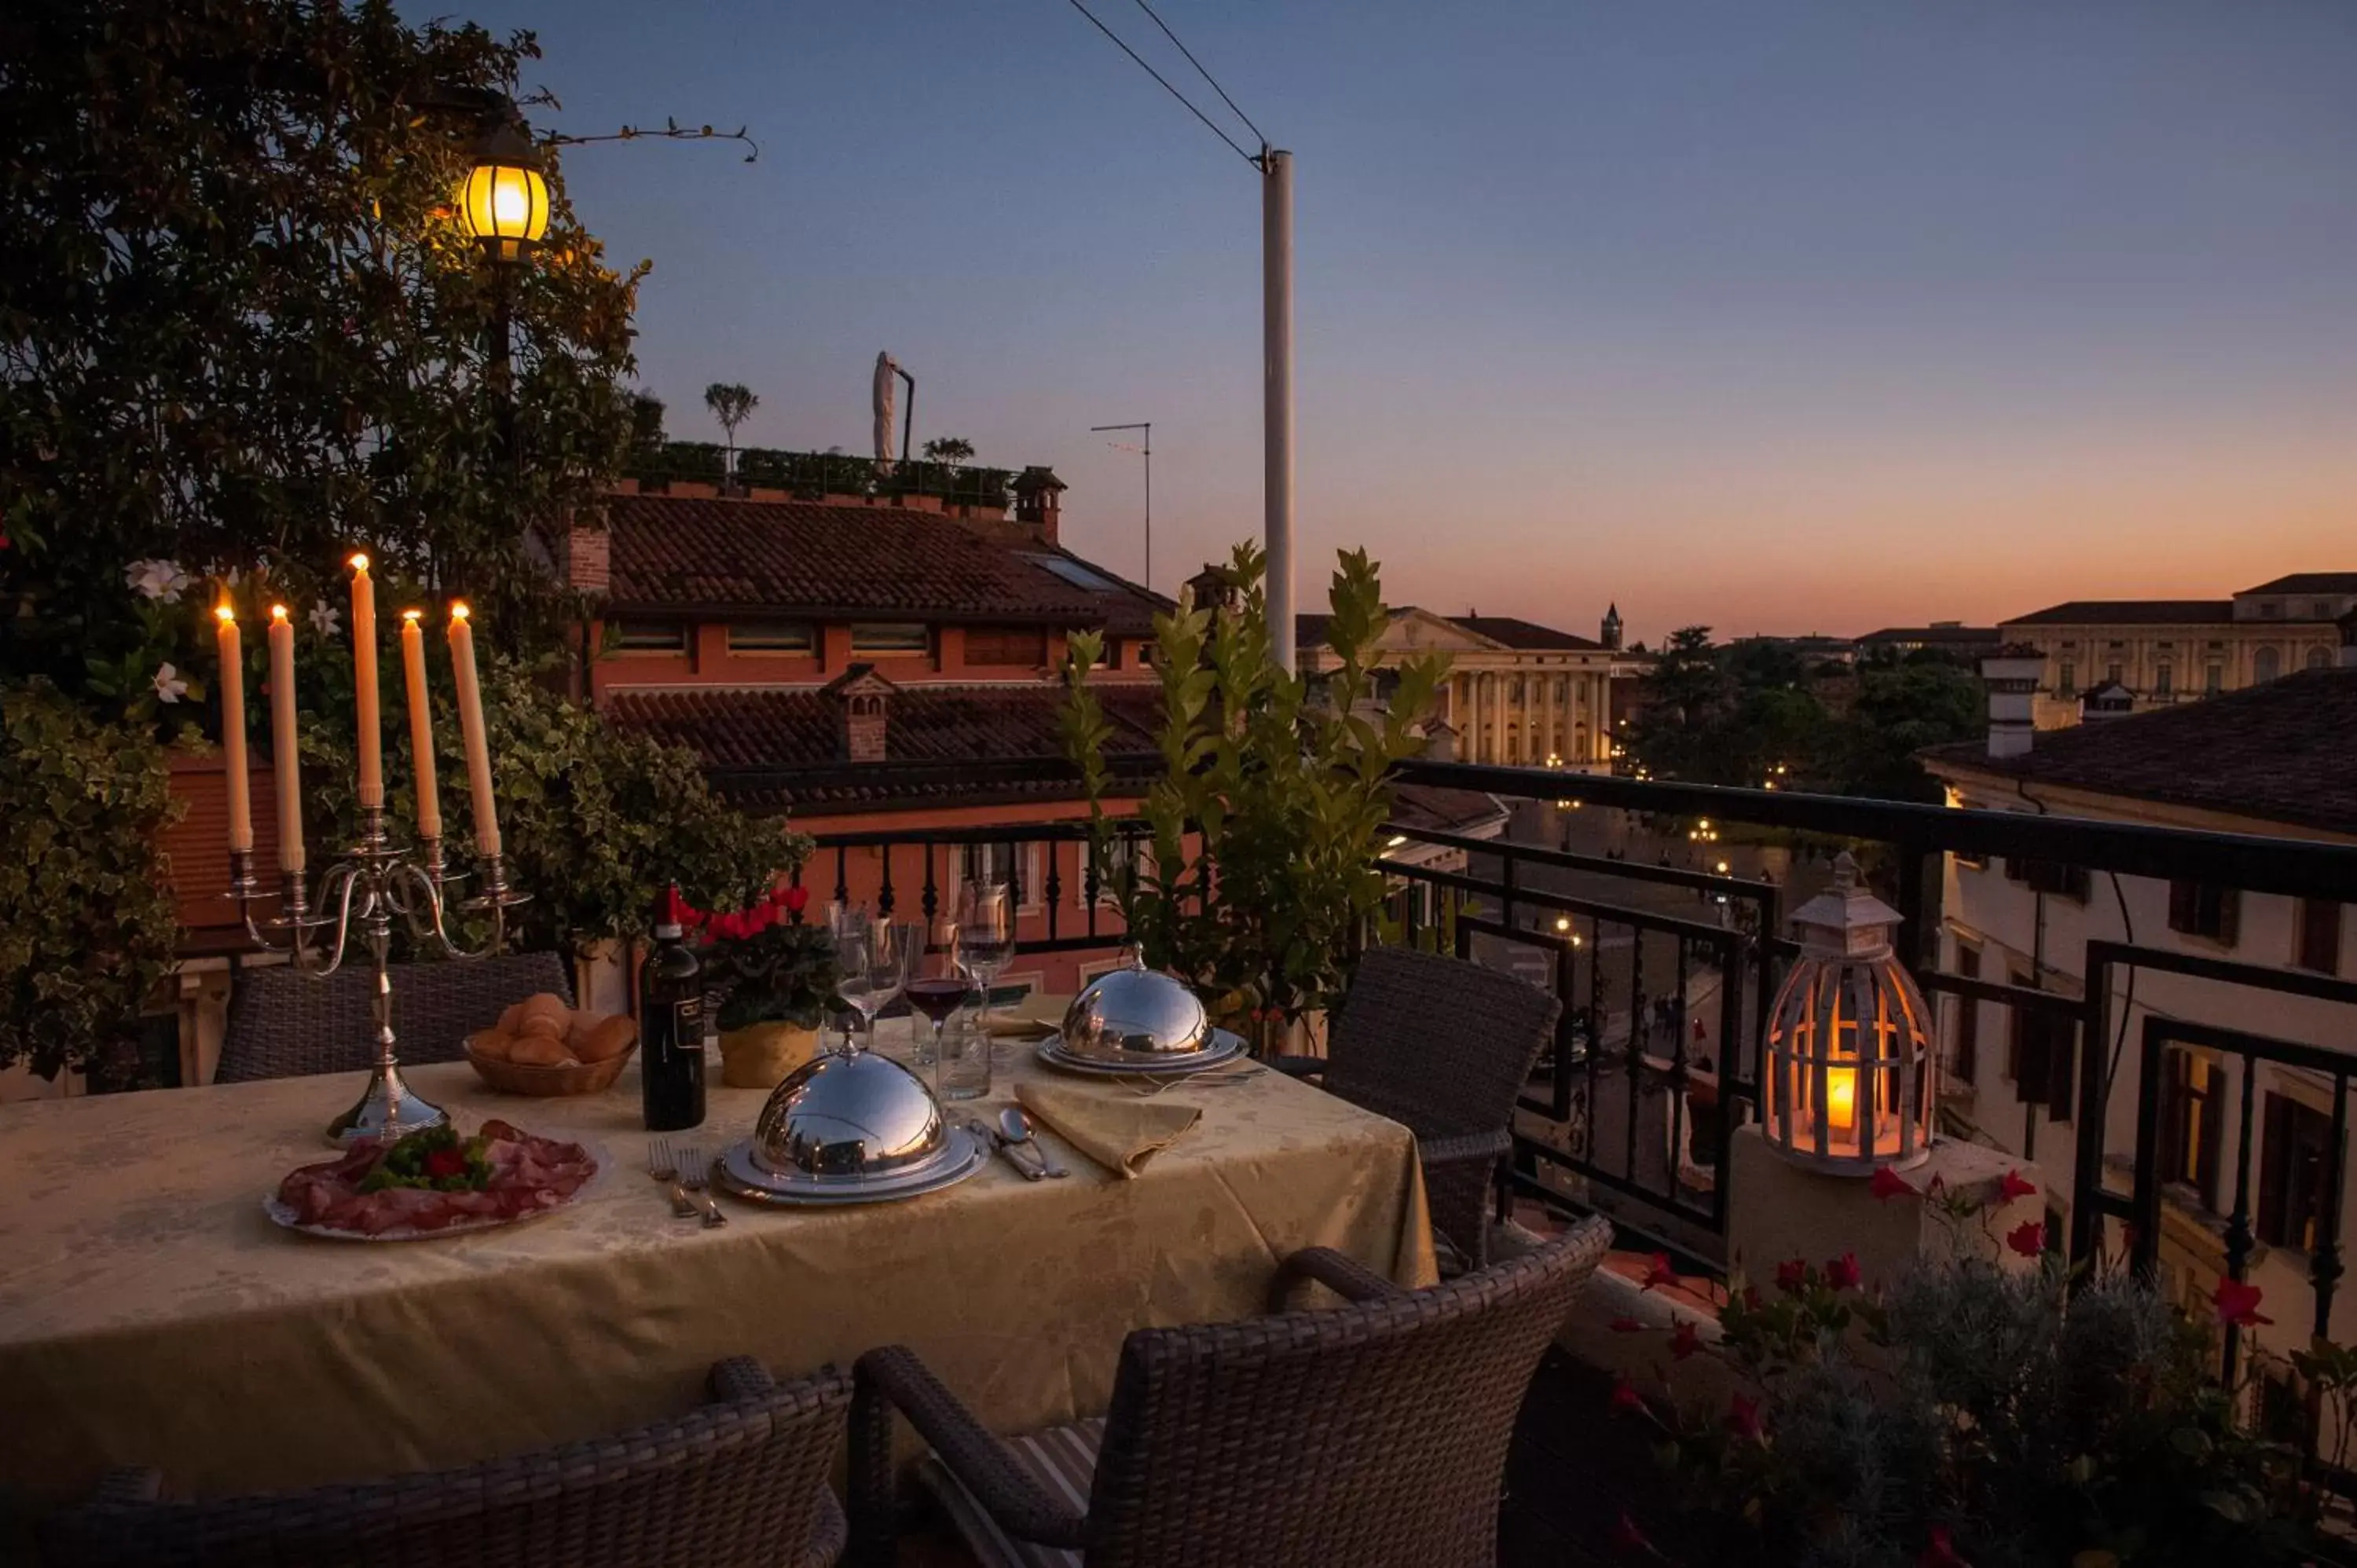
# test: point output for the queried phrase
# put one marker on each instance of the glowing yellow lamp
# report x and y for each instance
(504, 202)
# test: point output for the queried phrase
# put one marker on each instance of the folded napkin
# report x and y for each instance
(1120, 1133)
(1035, 1015)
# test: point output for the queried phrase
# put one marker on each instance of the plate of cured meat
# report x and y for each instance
(438, 1182)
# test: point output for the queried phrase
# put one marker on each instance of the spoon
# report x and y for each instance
(990, 1136)
(1017, 1127)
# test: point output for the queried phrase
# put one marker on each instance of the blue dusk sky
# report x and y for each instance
(1802, 315)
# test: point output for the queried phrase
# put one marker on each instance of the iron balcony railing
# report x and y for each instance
(1625, 1116)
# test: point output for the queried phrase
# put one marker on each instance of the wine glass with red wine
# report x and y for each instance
(938, 998)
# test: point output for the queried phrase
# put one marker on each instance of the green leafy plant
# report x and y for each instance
(1280, 781)
(732, 404)
(86, 923)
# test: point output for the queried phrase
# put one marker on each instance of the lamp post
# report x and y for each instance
(503, 207)
(1147, 452)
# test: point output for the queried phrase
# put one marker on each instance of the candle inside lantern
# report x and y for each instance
(233, 698)
(421, 725)
(1841, 1098)
(371, 727)
(286, 763)
(471, 727)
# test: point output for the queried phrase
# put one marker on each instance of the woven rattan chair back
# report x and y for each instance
(286, 1023)
(1372, 1434)
(738, 1481)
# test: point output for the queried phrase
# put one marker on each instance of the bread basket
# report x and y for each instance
(548, 1083)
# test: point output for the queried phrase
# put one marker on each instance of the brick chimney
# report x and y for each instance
(585, 558)
(862, 699)
(1037, 500)
(2011, 675)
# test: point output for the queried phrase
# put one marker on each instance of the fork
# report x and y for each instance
(663, 1168)
(1210, 1078)
(694, 1174)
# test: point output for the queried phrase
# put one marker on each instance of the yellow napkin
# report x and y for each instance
(1120, 1133)
(1032, 1017)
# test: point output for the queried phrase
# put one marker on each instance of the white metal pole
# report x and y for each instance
(1277, 407)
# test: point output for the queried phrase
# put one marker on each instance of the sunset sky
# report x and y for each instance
(1809, 314)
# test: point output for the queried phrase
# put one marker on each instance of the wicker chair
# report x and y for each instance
(286, 1023)
(1371, 1434)
(1446, 1047)
(740, 1480)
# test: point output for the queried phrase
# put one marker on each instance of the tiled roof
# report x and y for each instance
(1444, 809)
(683, 552)
(2283, 751)
(746, 733)
(1309, 631)
(2130, 612)
(2309, 582)
(1516, 633)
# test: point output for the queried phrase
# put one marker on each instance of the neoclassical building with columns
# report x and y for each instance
(1517, 693)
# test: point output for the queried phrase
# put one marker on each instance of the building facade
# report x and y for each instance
(2164, 651)
(2274, 760)
(1517, 693)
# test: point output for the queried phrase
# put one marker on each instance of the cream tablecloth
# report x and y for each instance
(151, 1315)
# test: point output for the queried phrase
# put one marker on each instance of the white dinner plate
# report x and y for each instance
(1224, 1049)
(736, 1174)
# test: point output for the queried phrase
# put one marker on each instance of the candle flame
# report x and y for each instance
(458, 612)
(360, 562)
(278, 612)
(411, 614)
(225, 613)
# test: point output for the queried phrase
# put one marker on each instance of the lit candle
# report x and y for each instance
(372, 725)
(285, 764)
(470, 727)
(1841, 1098)
(421, 725)
(233, 764)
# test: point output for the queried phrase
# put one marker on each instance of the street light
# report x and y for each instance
(503, 205)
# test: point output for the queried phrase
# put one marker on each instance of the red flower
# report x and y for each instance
(1888, 1184)
(1683, 1341)
(796, 899)
(1626, 1325)
(693, 919)
(1942, 1553)
(1626, 1536)
(1842, 1273)
(2014, 1185)
(1626, 1400)
(1792, 1275)
(2238, 1304)
(1659, 1273)
(1743, 1418)
(2028, 1238)
(445, 1162)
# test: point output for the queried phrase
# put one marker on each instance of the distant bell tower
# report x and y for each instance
(1612, 637)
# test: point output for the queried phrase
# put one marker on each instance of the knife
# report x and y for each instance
(992, 1136)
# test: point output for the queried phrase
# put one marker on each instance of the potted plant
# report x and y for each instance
(772, 979)
(1263, 873)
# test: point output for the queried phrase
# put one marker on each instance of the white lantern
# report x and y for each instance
(1846, 1071)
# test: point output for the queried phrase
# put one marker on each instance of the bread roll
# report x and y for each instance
(540, 1050)
(541, 1027)
(579, 1022)
(512, 1019)
(491, 1045)
(545, 1005)
(608, 1037)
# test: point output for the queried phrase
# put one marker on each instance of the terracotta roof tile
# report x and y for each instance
(2284, 751)
(683, 552)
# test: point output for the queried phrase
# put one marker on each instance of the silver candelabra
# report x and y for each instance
(375, 883)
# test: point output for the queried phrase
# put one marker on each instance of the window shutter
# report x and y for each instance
(2320, 936)
(2275, 1157)
(2183, 896)
(2229, 913)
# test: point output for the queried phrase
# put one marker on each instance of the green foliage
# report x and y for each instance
(86, 924)
(950, 449)
(2007, 1420)
(783, 973)
(1283, 777)
(732, 404)
(240, 327)
(1733, 715)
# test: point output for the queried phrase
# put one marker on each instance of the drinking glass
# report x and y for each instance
(876, 961)
(985, 936)
(962, 1070)
(938, 997)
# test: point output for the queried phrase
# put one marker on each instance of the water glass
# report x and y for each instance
(962, 1068)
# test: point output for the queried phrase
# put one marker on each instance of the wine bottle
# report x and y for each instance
(671, 1028)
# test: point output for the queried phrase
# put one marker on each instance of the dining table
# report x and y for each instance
(153, 1314)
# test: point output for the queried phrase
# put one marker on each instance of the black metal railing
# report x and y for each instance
(1063, 903)
(810, 475)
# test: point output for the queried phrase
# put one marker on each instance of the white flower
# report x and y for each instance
(169, 687)
(156, 580)
(324, 618)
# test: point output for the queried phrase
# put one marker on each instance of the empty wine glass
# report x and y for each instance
(985, 935)
(875, 961)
